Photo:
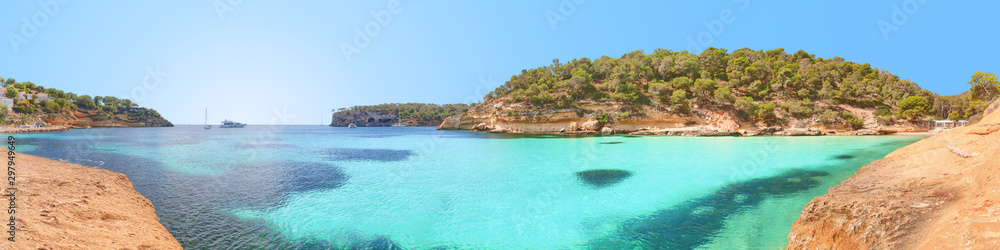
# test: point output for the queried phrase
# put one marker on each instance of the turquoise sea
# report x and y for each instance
(317, 187)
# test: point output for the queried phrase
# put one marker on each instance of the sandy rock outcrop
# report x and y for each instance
(68, 206)
(593, 117)
(799, 132)
(942, 192)
(689, 131)
(135, 117)
(591, 125)
(573, 126)
(517, 118)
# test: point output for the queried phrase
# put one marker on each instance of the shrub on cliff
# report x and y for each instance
(985, 86)
(744, 106)
(601, 117)
(854, 121)
(622, 116)
(954, 116)
(914, 107)
(723, 96)
(828, 117)
(800, 109)
(765, 110)
(679, 100)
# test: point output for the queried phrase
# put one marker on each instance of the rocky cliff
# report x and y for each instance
(367, 118)
(136, 117)
(69, 206)
(939, 193)
(503, 116)
(387, 114)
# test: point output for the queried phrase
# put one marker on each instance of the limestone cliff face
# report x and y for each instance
(502, 116)
(939, 193)
(68, 206)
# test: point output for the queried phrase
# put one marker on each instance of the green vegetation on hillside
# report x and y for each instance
(754, 83)
(36, 105)
(420, 113)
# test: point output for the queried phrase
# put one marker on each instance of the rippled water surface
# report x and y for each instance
(316, 187)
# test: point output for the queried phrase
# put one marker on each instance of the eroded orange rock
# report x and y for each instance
(922, 196)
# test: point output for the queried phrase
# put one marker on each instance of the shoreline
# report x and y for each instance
(571, 123)
(58, 128)
(918, 133)
(69, 206)
(803, 132)
(9, 130)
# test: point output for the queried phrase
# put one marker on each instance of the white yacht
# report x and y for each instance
(231, 124)
(352, 125)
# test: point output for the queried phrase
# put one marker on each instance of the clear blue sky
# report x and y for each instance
(259, 57)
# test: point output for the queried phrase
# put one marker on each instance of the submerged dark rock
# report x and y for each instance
(272, 182)
(244, 145)
(380, 242)
(844, 157)
(352, 242)
(693, 223)
(601, 178)
(360, 154)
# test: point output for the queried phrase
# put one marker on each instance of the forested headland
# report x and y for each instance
(381, 115)
(756, 88)
(34, 104)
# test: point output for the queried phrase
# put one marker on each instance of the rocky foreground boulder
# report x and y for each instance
(942, 192)
(68, 206)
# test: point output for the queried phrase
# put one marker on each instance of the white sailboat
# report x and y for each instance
(206, 120)
(399, 120)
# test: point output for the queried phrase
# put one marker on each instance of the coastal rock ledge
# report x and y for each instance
(942, 192)
(69, 206)
(592, 117)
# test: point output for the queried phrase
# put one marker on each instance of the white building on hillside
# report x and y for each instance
(8, 102)
(948, 123)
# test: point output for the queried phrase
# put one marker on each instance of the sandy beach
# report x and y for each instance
(69, 206)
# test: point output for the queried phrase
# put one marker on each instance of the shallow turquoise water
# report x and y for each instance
(318, 187)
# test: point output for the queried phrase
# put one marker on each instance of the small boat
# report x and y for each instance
(399, 124)
(206, 120)
(231, 124)
(352, 125)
